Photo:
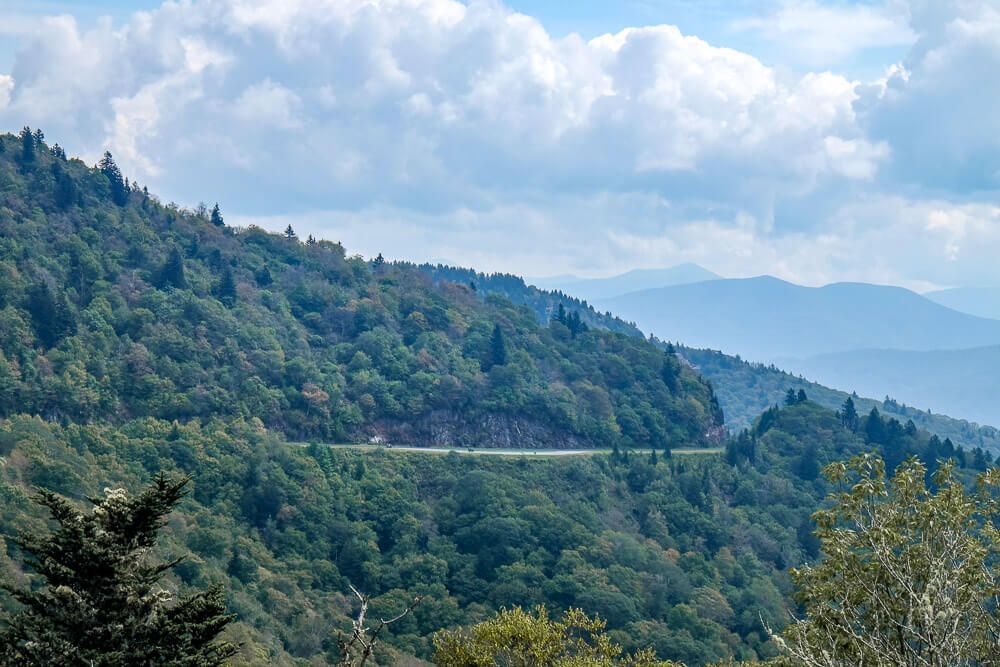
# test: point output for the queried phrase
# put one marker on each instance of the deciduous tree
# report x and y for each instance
(907, 577)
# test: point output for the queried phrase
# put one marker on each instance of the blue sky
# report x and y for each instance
(817, 140)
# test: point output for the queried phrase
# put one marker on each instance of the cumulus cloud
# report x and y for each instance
(426, 103)
(938, 109)
(465, 132)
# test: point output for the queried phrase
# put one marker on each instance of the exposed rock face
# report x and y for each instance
(450, 429)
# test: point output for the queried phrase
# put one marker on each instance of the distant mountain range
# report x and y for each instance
(767, 319)
(591, 289)
(979, 301)
(957, 382)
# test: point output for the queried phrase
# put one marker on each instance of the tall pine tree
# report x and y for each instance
(498, 347)
(27, 147)
(171, 274)
(50, 313)
(217, 216)
(119, 193)
(226, 289)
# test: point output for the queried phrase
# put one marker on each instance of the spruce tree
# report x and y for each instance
(66, 193)
(27, 147)
(791, 398)
(801, 396)
(498, 347)
(226, 290)
(290, 233)
(263, 277)
(216, 216)
(670, 371)
(107, 166)
(171, 274)
(50, 313)
(874, 431)
(849, 414)
(102, 603)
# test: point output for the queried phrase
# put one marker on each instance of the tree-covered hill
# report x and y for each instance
(114, 306)
(744, 389)
(684, 554)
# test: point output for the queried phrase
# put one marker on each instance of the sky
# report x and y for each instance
(814, 140)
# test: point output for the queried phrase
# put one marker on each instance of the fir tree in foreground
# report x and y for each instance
(103, 604)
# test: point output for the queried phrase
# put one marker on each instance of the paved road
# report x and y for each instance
(510, 452)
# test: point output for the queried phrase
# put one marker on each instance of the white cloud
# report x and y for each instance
(435, 129)
(820, 35)
(6, 86)
(432, 103)
(938, 110)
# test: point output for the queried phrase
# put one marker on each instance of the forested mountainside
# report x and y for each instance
(744, 389)
(684, 554)
(139, 339)
(544, 303)
(115, 307)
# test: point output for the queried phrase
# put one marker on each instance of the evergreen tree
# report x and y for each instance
(216, 216)
(27, 147)
(103, 603)
(290, 233)
(791, 398)
(561, 314)
(50, 313)
(801, 396)
(226, 289)
(670, 372)
(66, 193)
(59, 152)
(807, 467)
(310, 240)
(379, 261)
(874, 430)
(498, 347)
(171, 274)
(575, 324)
(107, 166)
(849, 414)
(263, 277)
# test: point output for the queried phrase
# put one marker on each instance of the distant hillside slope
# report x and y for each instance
(978, 301)
(115, 307)
(743, 389)
(964, 383)
(590, 289)
(766, 319)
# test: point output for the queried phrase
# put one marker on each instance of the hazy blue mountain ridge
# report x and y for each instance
(963, 383)
(979, 301)
(767, 319)
(591, 289)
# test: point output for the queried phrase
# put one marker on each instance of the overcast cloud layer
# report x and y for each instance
(437, 130)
